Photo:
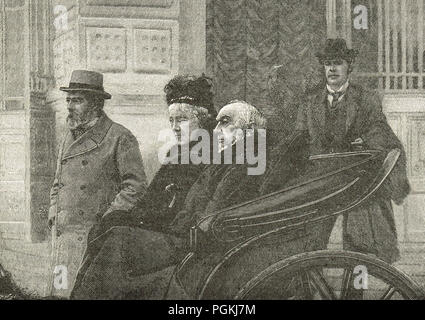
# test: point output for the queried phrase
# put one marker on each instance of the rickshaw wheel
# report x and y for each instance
(302, 277)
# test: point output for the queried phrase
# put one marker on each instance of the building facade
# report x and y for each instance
(140, 44)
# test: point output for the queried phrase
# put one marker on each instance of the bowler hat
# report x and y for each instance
(84, 80)
(336, 48)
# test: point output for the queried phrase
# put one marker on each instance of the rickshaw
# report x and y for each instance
(274, 247)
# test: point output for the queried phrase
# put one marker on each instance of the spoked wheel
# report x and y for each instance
(331, 275)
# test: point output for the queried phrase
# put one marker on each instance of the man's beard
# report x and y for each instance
(75, 120)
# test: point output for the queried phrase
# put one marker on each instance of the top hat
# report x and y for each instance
(336, 48)
(84, 80)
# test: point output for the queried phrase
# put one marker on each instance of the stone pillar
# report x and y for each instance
(25, 123)
(192, 21)
(40, 119)
(139, 46)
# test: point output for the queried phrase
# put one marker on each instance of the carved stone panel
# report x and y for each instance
(12, 204)
(12, 122)
(106, 49)
(152, 50)
(136, 57)
(417, 144)
(12, 157)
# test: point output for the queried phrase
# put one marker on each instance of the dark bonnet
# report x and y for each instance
(191, 90)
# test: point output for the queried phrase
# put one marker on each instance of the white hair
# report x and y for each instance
(250, 117)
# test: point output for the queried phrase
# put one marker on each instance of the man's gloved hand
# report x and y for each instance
(205, 224)
(357, 145)
(202, 238)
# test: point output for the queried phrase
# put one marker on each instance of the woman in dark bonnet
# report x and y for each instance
(190, 105)
(133, 244)
(191, 99)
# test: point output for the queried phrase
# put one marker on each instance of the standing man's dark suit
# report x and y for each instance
(371, 228)
(357, 121)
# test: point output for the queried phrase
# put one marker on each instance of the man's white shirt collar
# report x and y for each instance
(343, 88)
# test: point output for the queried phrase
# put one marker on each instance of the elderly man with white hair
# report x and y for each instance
(236, 119)
(222, 185)
(141, 269)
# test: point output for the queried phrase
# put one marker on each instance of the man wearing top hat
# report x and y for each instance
(99, 173)
(342, 116)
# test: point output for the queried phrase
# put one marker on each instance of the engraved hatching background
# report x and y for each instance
(139, 45)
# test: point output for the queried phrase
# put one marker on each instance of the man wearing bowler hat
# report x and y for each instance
(99, 173)
(343, 116)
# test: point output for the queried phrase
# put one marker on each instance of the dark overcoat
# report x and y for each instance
(163, 199)
(97, 174)
(134, 258)
(167, 192)
(370, 229)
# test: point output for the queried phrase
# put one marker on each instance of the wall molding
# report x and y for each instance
(169, 9)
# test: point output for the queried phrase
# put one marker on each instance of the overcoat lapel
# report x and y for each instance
(68, 141)
(352, 107)
(88, 141)
(319, 111)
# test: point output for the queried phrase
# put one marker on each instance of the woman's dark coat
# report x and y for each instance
(162, 200)
(126, 258)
